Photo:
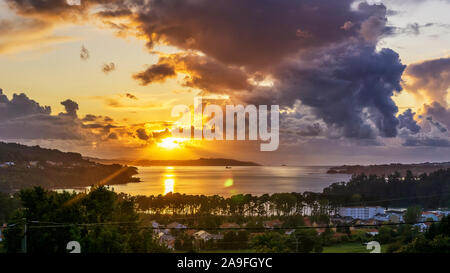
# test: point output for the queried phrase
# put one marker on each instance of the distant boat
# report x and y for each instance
(283, 165)
(227, 167)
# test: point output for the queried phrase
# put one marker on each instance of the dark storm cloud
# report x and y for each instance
(311, 130)
(20, 106)
(431, 79)
(50, 7)
(114, 13)
(155, 73)
(256, 33)
(321, 52)
(436, 124)
(204, 73)
(349, 87)
(338, 71)
(407, 121)
(438, 112)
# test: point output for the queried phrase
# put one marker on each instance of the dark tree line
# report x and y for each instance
(54, 219)
(426, 190)
(277, 204)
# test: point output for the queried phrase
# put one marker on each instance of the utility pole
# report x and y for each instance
(25, 236)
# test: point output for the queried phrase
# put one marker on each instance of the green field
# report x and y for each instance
(339, 248)
(228, 251)
(347, 248)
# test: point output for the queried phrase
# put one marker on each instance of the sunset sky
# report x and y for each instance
(357, 82)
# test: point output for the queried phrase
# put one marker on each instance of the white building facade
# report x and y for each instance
(363, 213)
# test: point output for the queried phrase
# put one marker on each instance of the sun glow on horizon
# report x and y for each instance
(171, 143)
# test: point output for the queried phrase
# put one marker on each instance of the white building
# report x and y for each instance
(363, 213)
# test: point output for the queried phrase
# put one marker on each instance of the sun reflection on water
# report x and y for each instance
(169, 180)
(169, 185)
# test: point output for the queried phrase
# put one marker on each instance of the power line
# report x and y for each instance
(63, 225)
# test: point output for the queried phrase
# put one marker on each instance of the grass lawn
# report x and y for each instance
(347, 248)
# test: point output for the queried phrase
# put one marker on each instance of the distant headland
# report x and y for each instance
(194, 162)
(387, 169)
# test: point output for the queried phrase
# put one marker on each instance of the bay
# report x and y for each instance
(211, 180)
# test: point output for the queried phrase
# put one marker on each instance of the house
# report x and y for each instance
(443, 213)
(289, 231)
(422, 227)
(272, 224)
(426, 215)
(176, 225)
(342, 220)
(154, 224)
(372, 232)
(363, 213)
(203, 235)
(369, 222)
(395, 217)
(32, 164)
(165, 231)
(382, 217)
(167, 240)
(229, 225)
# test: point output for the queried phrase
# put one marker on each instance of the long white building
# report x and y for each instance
(363, 213)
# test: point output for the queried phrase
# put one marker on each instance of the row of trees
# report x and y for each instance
(277, 204)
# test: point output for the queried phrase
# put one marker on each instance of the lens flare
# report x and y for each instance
(229, 182)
